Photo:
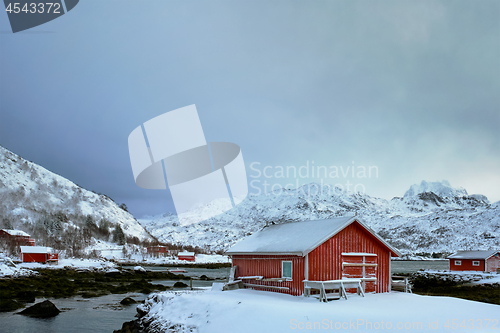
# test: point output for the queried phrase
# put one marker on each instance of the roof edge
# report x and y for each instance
(264, 254)
(370, 230)
(485, 258)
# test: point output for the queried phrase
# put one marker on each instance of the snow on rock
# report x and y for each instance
(457, 276)
(139, 269)
(80, 264)
(11, 270)
(259, 311)
(27, 190)
(489, 280)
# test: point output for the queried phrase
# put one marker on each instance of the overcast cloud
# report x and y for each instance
(411, 87)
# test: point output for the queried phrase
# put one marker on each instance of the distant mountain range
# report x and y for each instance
(430, 217)
(29, 192)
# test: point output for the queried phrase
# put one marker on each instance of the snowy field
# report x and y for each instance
(87, 264)
(253, 311)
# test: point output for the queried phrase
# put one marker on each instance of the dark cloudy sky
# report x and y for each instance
(411, 87)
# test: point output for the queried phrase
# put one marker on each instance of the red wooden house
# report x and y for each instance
(482, 261)
(280, 257)
(18, 237)
(157, 251)
(188, 256)
(40, 254)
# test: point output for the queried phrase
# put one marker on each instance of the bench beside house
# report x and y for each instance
(280, 257)
(481, 261)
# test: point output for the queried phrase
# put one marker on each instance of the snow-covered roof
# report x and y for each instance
(297, 238)
(473, 254)
(36, 249)
(16, 232)
(186, 254)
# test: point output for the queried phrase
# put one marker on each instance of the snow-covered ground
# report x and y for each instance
(88, 264)
(9, 269)
(253, 311)
(133, 253)
(200, 259)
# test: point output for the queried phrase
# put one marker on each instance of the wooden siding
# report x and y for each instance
(366, 267)
(325, 261)
(35, 257)
(269, 266)
(493, 264)
(466, 265)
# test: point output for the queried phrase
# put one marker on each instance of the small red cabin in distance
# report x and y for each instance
(280, 257)
(39, 254)
(19, 237)
(188, 256)
(157, 251)
(481, 261)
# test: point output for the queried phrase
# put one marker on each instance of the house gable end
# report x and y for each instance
(368, 230)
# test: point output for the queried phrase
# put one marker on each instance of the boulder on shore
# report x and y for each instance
(180, 284)
(9, 305)
(43, 309)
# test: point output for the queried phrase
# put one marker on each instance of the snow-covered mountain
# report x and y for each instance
(29, 191)
(442, 189)
(430, 217)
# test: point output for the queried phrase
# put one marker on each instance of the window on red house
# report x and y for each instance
(458, 262)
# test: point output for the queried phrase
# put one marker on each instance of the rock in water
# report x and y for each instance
(44, 309)
(128, 301)
(130, 327)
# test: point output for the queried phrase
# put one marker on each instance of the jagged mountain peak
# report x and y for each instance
(426, 222)
(442, 189)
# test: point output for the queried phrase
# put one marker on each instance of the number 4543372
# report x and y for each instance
(471, 324)
(34, 7)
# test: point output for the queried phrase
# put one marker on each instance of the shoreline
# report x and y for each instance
(19, 291)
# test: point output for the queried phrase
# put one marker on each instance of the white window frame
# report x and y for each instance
(458, 262)
(475, 263)
(283, 270)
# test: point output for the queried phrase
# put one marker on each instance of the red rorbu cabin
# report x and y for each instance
(188, 256)
(481, 261)
(18, 237)
(157, 251)
(40, 254)
(280, 257)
